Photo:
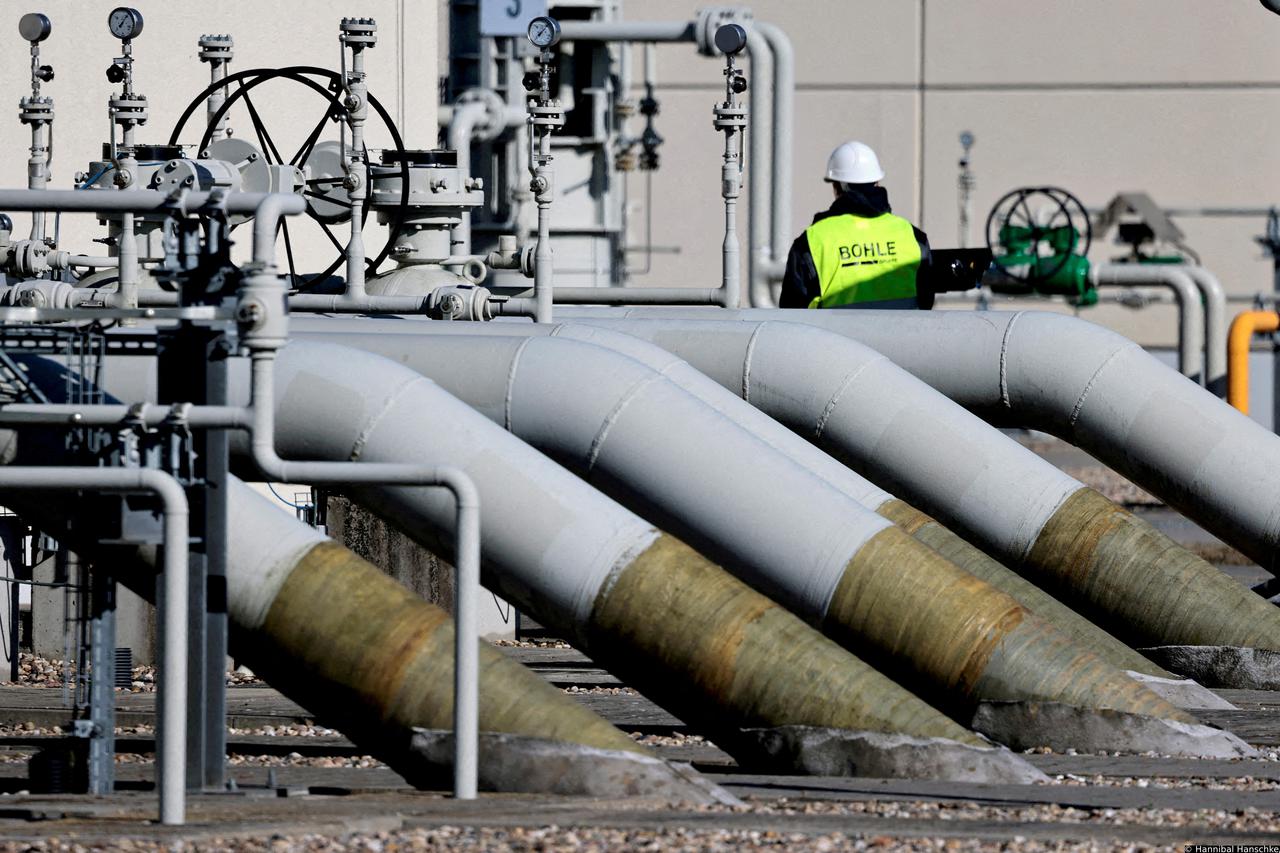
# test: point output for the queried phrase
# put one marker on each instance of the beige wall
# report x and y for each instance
(1098, 96)
(401, 68)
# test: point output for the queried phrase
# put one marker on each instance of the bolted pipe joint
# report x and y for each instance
(262, 310)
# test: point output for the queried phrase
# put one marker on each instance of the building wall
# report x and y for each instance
(1096, 96)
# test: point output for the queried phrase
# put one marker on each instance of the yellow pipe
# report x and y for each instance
(1243, 328)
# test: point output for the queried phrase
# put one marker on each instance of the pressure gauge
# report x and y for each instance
(966, 139)
(731, 39)
(34, 27)
(125, 22)
(544, 32)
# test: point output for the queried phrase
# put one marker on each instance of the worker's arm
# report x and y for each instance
(925, 290)
(800, 282)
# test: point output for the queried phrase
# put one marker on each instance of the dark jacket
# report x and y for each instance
(800, 284)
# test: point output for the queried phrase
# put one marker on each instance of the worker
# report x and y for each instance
(857, 253)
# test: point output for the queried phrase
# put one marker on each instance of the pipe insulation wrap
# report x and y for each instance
(861, 408)
(610, 418)
(764, 427)
(654, 447)
(578, 561)
(1104, 393)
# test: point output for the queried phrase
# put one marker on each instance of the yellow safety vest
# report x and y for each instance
(861, 260)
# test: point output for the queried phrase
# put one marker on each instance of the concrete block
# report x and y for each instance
(415, 567)
(1221, 666)
(1183, 692)
(528, 765)
(1029, 725)
(817, 751)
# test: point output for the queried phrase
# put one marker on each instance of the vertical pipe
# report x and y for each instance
(357, 169)
(461, 128)
(760, 106)
(784, 88)
(1190, 314)
(1215, 328)
(1243, 328)
(543, 272)
(127, 249)
(466, 672)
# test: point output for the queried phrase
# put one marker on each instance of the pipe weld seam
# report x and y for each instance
(829, 409)
(597, 443)
(1004, 360)
(746, 360)
(370, 424)
(508, 395)
(1079, 404)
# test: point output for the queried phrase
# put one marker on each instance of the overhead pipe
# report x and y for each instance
(771, 108)
(802, 452)
(771, 521)
(1091, 387)
(1191, 325)
(622, 591)
(1243, 328)
(857, 405)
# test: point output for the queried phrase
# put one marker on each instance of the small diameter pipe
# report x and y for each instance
(782, 127)
(462, 127)
(467, 544)
(628, 31)
(128, 262)
(92, 261)
(172, 681)
(1215, 327)
(760, 252)
(1190, 314)
(1243, 328)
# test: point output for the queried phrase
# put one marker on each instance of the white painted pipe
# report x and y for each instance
(1215, 328)
(1190, 313)
(1087, 385)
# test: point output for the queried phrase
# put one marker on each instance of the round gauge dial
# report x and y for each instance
(125, 22)
(544, 32)
(34, 27)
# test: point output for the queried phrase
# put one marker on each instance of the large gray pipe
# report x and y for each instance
(1191, 325)
(861, 408)
(627, 594)
(798, 450)
(689, 469)
(1102, 392)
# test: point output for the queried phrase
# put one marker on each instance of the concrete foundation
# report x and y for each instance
(412, 565)
(517, 764)
(836, 752)
(1222, 666)
(1031, 725)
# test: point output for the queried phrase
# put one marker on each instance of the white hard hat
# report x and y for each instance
(854, 163)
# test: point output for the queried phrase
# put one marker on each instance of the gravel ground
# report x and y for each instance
(1113, 486)
(35, 671)
(533, 644)
(610, 691)
(553, 838)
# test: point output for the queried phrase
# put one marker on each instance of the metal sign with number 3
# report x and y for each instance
(509, 17)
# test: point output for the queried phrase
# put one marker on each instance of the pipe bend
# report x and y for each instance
(1239, 341)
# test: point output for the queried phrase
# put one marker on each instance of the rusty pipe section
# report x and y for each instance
(343, 639)
(869, 413)
(1239, 341)
(353, 646)
(648, 607)
(680, 463)
(820, 464)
